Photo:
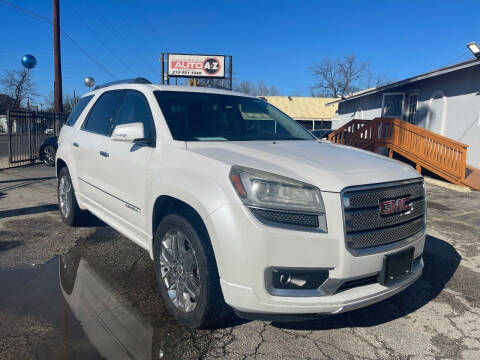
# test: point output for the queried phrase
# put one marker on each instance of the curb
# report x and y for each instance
(447, 185)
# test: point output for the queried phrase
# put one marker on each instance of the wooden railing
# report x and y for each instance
(438, 154)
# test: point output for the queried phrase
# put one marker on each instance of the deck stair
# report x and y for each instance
(436, 153)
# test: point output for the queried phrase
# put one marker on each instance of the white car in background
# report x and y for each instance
(238, 205)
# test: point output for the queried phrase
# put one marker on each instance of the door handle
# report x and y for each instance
(104, 153)
(76, 144)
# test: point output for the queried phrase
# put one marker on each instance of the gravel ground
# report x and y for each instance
(89, 292)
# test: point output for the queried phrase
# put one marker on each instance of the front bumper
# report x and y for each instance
(244, 299)
(244, 248)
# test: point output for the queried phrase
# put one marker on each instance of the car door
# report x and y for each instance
(90, 149)
(128, 164)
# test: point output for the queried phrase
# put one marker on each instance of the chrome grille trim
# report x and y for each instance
(372, 238)
(371, 197)
(366, 230)
(368, 219)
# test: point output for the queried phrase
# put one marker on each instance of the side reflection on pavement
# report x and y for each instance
(112, 327)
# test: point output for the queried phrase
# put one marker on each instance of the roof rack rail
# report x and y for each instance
(139, 80)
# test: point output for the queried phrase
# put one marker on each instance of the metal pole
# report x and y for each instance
(162, 80)
(9, 131)
(57, 60)
(29, 119)
(231, 72)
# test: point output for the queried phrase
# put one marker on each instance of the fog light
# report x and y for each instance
(285, 279)
(282, 281)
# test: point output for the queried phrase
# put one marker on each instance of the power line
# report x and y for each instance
(88, 55)
(457, 58)
(105, 45)
(50, 22)
(110, 28)
(131, 29)
(143, 15)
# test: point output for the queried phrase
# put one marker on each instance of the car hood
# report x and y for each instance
(328, 166)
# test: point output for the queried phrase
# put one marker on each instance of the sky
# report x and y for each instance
(273, 41)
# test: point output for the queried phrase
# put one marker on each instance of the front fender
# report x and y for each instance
(205, 189)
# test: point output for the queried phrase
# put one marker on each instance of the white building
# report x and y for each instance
(446, 101)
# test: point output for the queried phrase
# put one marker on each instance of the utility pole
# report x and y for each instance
(57, 60)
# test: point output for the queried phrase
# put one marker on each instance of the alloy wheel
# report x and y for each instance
(179, 270)
(49, 155)
(65, 195)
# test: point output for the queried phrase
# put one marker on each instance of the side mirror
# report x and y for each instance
(128, 132)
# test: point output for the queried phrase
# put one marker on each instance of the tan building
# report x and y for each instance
(311, 112)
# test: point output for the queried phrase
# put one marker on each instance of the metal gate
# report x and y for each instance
(26, 132)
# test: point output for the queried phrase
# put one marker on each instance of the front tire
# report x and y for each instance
(186, 271)
(67, 202)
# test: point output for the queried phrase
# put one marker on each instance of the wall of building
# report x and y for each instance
(448, 105)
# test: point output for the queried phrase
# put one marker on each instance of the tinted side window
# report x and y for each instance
(100, 119)
(77, 110)
(135, 108)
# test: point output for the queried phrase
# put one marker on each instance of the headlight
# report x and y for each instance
(278, 199)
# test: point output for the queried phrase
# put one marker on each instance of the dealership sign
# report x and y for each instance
(202, 66)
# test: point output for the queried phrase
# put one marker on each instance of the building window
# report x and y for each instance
(392, 105)
(412, 108)
(307, 124)
(322, 124)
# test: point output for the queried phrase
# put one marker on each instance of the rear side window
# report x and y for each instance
(77, 110)
(102, 115)
(135, 108)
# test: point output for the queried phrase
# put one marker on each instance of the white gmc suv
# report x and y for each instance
(238, 205)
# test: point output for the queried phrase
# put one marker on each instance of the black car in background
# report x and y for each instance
(47, 150)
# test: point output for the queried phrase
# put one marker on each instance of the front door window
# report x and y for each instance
(392, 105)
(412, 108)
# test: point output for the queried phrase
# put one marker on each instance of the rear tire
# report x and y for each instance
(67, 202)
(189, 283)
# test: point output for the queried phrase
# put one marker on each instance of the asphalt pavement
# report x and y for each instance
(88, 292)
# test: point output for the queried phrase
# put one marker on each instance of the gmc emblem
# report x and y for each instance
(393, 206)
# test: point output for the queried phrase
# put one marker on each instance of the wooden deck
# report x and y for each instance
(472, 178)
(440, 155)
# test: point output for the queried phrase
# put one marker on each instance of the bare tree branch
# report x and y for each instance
(245, 87)
(260, 89)
(69, 102)
(19, 85)
(376, 80)
(338, 77)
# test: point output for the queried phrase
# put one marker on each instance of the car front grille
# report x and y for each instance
(366, 228)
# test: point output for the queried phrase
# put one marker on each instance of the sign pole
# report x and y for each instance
(231, 73)
(162, 67)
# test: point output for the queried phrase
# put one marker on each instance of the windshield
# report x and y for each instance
(215, 117)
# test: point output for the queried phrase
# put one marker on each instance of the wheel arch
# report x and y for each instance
(167, 204)
(60, 164)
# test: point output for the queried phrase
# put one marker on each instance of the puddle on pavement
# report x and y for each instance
(92, 317)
